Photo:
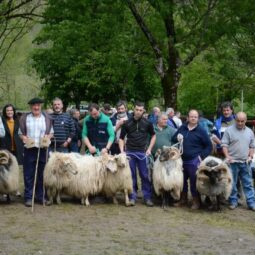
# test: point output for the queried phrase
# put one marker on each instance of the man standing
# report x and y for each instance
(238, 148)
(76, 140)
(164, 133)
(196, 146)
(63, 125)
(33, 127)
(98, 132)
(136, 130)
(118, 120)
(226, 119)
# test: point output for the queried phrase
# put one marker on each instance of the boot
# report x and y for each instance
(183, 201)
(195, 203)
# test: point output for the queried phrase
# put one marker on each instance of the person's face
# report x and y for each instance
(57, 106)
(193, 117)
(138, 111)
(36, 109)
(94, 113)
(77, 115)
(121, 109)
(240, 121)
(171, 114)
(156, 112)
(107, 112)
(9, 112)
(227, 112)
(162, 122)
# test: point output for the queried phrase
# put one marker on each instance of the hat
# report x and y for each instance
(35, 100)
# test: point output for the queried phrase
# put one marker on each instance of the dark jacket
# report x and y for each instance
(6, 142)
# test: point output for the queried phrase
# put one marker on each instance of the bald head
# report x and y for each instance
(241, 119)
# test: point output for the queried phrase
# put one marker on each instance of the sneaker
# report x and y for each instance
(149, 203)
(28, 203)
(232, 207)
(132, 202)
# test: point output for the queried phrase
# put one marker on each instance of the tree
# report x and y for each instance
(190, 28)
(89, 50)
(16, 19)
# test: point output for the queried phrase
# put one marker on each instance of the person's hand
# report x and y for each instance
(92, 149)
(104, 151)
(180, 137)
(228, 159)
(24, 138)
(148, 152)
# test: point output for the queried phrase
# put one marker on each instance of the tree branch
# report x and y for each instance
(150, 38)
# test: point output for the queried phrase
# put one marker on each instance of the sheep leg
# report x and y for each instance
(83, 200)
(114, 199)
(127, 202)
(218, 208)
(8, 199)
(87, 201)
(163, 194)
(58, 199)
(50, 196)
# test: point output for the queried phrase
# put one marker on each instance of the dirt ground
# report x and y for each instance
(117, 230)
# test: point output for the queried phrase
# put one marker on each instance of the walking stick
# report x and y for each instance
(47, 156)
(35, 178)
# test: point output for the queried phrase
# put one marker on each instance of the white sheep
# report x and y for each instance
(120, 180)
(214, 179)
(168, 173)
(76, 175)
(9, 174)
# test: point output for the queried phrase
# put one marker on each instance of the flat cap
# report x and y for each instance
(35, 100)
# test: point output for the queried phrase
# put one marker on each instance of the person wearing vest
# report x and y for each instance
(98, 132)
(34, 127)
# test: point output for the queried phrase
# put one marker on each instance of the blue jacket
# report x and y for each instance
(196, 142)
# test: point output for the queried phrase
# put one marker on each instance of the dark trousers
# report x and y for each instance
(189, 172)
(29, 166)
(139, 160)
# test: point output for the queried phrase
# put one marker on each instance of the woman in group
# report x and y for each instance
(11, 141)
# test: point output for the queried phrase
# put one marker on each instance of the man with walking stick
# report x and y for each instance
(35, 132)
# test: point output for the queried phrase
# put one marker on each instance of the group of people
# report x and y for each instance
(135, 135)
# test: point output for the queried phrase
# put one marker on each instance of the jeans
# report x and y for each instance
(74, 147)
(189, 172)
(243, 171)
(138, 159)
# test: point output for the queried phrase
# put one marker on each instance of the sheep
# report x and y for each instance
(119, 181)
(214, 180)
(9, 174)
(86, 179)
(168, 174)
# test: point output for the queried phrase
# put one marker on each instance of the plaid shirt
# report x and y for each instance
(36, 127)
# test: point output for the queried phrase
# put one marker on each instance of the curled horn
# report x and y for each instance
(4, 157)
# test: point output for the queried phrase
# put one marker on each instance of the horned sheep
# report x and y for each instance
(214, 180)
(168, 173)
(9, 174)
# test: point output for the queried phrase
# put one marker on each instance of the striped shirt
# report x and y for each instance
(63, 126)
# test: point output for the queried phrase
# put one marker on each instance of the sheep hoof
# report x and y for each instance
(49, 203)
(128, 204)
(59, 202)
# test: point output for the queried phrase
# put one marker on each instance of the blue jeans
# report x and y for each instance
(138, 159)
(74, 147)
(243, 171)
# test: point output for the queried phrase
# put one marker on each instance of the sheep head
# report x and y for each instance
(121, 160)
(109, 162)
(66, 165)
(169, 153)
(4, 157)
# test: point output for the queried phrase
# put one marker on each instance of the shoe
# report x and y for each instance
(232, 207)
(183, 201)
(28, 203)
(132, 202)
(148, 203)
(195, 203)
